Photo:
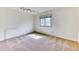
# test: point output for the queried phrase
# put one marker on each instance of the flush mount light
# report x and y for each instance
(28, 10)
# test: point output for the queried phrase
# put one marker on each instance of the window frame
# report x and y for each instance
(45, 21)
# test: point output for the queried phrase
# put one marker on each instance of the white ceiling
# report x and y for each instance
(39, 9)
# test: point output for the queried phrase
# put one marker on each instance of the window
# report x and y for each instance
(45, 21)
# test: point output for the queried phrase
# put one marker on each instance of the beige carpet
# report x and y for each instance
(36, 42)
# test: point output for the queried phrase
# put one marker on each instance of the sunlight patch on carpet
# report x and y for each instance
(35, 36)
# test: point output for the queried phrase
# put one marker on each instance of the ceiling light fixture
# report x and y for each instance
(28, 10)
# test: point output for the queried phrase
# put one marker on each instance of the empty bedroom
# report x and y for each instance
(39, 29)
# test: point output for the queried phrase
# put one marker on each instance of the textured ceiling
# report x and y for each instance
(37, 9)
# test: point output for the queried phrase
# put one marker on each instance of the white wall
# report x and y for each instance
(64, 23)
(16, 23)
(78, 25)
